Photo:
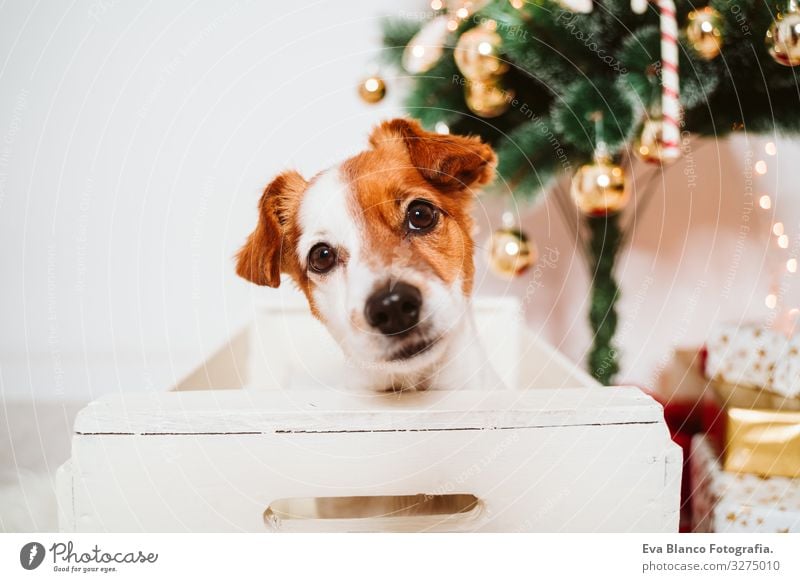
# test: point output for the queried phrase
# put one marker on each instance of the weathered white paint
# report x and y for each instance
(328, 411)
(563, 454)
(541, 460)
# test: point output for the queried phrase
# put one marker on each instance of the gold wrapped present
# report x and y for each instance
(736, 396)
(761, 430)
(763, 442)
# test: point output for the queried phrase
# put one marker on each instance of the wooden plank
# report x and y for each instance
(245, 412)
(569, 478)
(225, 369)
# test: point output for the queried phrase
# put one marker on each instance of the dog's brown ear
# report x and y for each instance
(260, 259)
(449, 162)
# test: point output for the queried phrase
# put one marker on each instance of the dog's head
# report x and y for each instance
(380, 244)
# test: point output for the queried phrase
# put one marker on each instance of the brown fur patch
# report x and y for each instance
(404, 163)
(407, 163)
(269, 249)
(448, 162)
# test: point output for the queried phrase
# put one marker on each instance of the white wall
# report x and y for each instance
(135, 139)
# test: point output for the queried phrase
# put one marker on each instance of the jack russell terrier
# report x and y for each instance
(381, 247)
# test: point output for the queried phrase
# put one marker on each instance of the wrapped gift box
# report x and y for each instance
(730, 502)
(683, 379)
(786, 376)
(689, 409)
(763, 442)
(755, 382)
(756, 431)
(751, 356)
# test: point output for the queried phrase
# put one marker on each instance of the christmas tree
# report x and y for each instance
(585, 88)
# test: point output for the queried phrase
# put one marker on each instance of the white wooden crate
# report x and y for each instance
(286, 348)
(568, 456)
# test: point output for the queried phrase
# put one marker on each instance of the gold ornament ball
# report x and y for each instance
(487, 99)
(477, 53)
(511, 253)
(648, 146)
(599, 188)
(704, 32)
(783, 39)
(372, 89)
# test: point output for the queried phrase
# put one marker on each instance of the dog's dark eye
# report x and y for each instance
(421, 216)
(321, 258)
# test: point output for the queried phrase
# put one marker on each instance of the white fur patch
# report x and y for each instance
(328, 214)
(325, 216)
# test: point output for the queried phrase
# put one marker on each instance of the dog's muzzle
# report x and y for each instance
(394, 309)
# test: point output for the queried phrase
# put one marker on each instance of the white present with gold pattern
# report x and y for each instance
(733, 503)
(752, 356)
(786, 377)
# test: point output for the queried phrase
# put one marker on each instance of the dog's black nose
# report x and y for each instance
(394, 310)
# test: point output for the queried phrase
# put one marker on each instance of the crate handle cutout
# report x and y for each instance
(372, 512)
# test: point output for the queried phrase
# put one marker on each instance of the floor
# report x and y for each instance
(34, 442)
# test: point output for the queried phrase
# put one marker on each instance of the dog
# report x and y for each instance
(381, 246)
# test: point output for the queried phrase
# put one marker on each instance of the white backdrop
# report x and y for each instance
(135, 139)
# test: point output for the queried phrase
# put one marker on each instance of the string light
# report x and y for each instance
(485, 48)
(437, 4)
(441, 128)
(778, 229)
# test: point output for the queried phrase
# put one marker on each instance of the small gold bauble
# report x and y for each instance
(599, 188)
(704, 32)
(487, 99)
(511, 253)
(426, 47)
(477, 53)
(783, 39)
(372, 89)
(648, 146)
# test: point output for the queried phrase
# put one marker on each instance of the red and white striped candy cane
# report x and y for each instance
(670, 83)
